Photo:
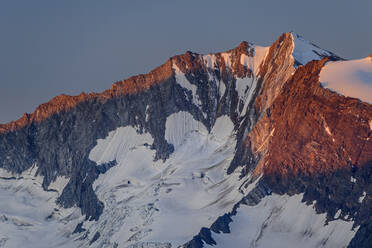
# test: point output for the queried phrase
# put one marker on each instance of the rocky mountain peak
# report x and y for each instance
(249, 128)
(243, 47)
(63, 102)
(231, 60)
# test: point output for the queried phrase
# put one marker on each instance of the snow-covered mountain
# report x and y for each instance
(252, 147)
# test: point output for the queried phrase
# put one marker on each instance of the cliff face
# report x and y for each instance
(64, 103)
(292, 135)
(309, 129)
(315, 141)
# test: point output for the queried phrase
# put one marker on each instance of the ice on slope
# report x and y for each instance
(281, 222)
(351, 78)
(304, 51)
(29, 216)
(159, 203)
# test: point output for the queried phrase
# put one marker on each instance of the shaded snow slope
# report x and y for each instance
(29, 216)
(281, 222)
(351, 78)
(305, 51)
(158, 204)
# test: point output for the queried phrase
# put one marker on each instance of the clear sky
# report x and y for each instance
(49, 47)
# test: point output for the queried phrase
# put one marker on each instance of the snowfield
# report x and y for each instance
(164, 203)
(351, 78)
(281, 222)
(29, 216)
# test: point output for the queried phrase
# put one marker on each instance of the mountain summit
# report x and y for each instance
(256, 146)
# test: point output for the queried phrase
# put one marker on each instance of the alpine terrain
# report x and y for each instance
(253, 147)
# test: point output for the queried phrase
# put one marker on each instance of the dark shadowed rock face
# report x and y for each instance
(300, 137)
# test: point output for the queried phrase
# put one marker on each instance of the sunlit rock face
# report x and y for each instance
(256, 146)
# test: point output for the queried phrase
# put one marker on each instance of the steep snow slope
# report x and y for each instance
(164, 203)
(305, 51)
(254, 62)
(281, 222)
(350, 78)
(29, 216)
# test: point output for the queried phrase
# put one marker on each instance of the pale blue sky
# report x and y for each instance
(49, 47)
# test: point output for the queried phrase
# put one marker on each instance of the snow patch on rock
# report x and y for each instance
(338, 213)
(361, 199)
(185, 83)
(210, 61)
